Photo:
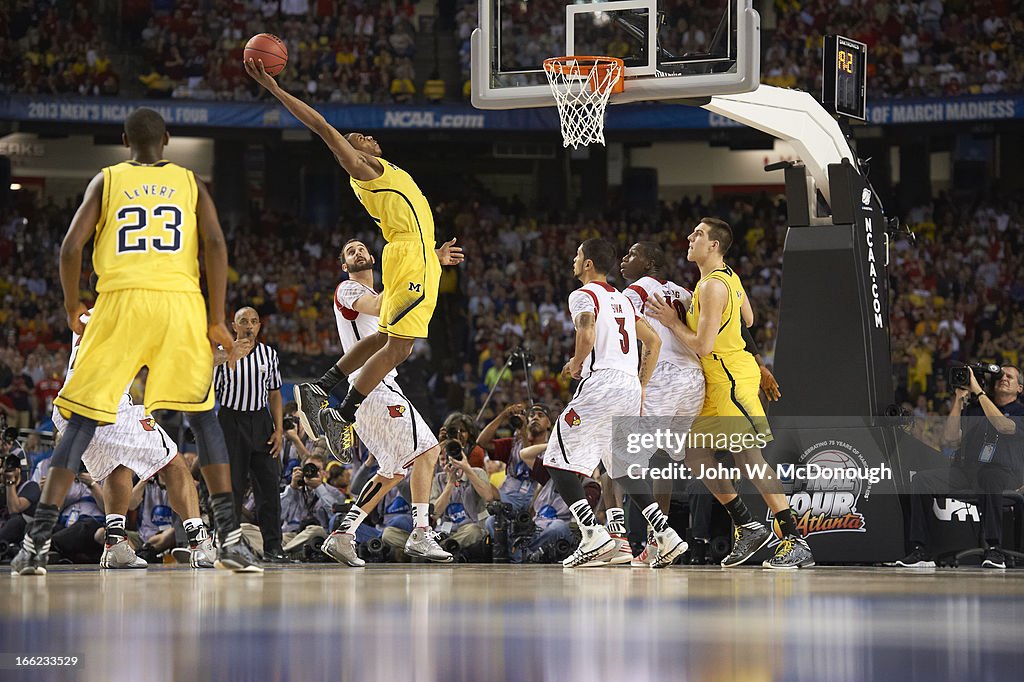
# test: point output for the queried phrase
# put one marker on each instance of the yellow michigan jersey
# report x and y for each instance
(150, 311)
(732, 377)
(147, 236)
(410, 270)
(397, 205)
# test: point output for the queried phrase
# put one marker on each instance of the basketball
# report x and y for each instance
(270, 49)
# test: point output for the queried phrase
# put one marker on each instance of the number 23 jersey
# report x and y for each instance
(615, 327)
(147, 236)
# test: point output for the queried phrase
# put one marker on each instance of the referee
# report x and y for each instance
(253, 433)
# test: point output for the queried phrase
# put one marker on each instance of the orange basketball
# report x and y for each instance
(270, 49)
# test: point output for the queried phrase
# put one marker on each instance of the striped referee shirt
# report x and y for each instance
(246, 387)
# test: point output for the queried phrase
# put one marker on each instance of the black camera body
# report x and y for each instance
(289, 423)
(12, 462)
(310, 470)
(511, 529)
(516, 422)
(959, 377)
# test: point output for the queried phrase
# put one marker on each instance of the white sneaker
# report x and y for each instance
(423, 543)
(649, 555)
(623, 552)
(342, 548)
(670, 548)
(595, 548)
(204, 554)
(121, 555)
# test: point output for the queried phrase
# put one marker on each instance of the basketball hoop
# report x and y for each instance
(581, 86)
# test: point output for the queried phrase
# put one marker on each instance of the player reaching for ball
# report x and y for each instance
(411, 272)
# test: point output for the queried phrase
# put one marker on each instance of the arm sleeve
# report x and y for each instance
(347, 293)
(582, 301)
(30, 491)
(749, 338)
(274, 376)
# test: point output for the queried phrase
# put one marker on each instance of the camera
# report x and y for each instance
(516, 421)
(521, 355)
(289, 423)
(12, 463)
(511, 529)
(310, 470)
(10, 434)
(959, 377)
(453, 450)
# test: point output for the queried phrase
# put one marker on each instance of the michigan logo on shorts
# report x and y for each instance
(415, 287)
(148, 424)
(396, 411)
(571, 418)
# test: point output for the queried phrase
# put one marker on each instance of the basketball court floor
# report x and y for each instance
(482, 623)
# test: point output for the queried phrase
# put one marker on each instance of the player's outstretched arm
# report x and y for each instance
(360, 166)
(79, 233)
(216, 250)
(650, 351)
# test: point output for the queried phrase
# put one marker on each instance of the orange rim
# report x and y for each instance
(571, 64)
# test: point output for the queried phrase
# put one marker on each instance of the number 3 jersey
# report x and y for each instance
(147, 233)
(615, 327)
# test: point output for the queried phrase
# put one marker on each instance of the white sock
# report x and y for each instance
(616, 520)
(193, 529)
(114, 528)
(421, 515)
(352, 519)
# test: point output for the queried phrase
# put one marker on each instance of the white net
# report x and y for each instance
(581, 86)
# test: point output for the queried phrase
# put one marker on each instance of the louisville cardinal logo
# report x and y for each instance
(148, 424)
(571, 418)
(396, 411)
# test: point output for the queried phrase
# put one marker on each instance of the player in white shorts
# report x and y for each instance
(676, 390)
(135, 442)
(386, 422)
(609, 396)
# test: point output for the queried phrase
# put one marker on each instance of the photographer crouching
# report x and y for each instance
(460, 491)
(20, 495)
(988, 427)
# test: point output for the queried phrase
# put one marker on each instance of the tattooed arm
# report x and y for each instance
(586, 337)
(650, 350)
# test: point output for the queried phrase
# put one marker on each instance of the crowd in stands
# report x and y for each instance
(934, 48)
(50, 51)
(347, 53)
(363, 53)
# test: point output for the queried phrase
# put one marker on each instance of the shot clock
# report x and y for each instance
(845, 75)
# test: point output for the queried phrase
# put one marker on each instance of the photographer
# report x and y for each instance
(460, 491)
(21, 497)
(989, 431)
(307, 504)
(530, 427)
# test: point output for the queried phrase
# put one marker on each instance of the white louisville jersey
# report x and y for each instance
(615, 327)
(672, 349)
(352, 324)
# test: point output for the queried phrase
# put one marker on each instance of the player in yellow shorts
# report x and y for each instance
(732, 410)
(411, 271)
(145, 217)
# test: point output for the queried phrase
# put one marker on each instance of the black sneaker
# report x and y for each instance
(792, 552)
(341, 435)
(747, 539)
(31, 561)
(994, 558)
(235, 554)
(310, 399)
(918, 558)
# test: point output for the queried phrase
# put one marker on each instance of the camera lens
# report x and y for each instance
(453, 450)
(310, 470)
(516, 422)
